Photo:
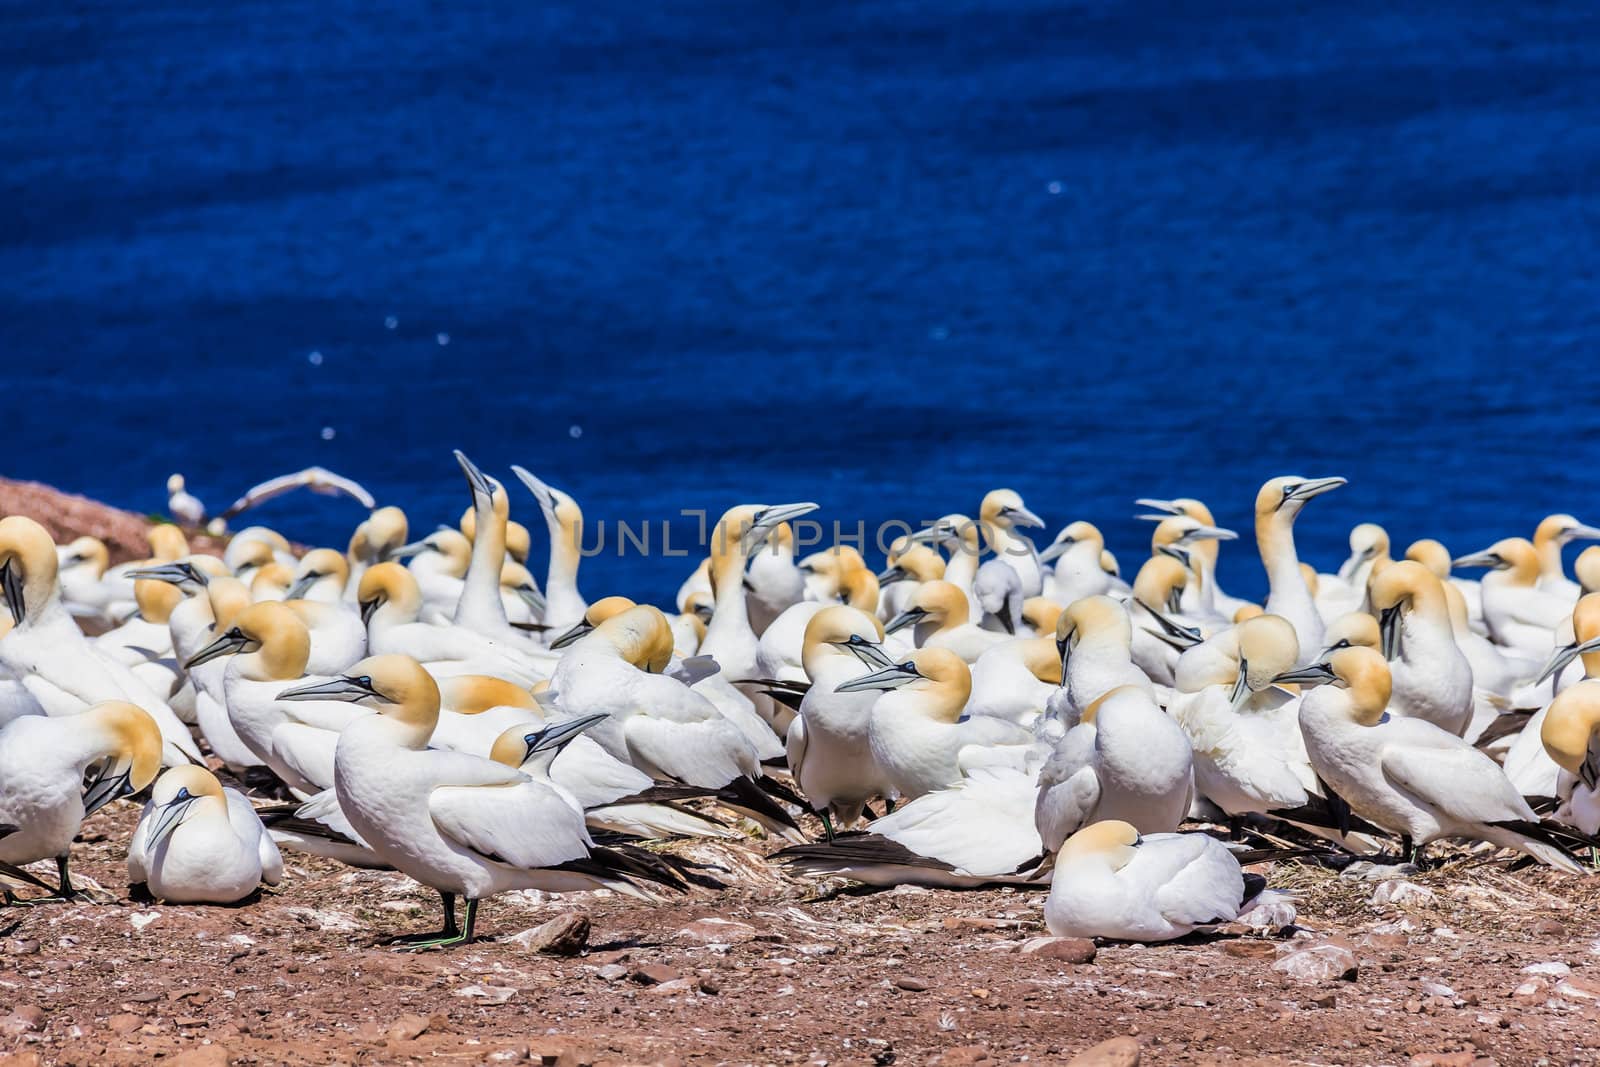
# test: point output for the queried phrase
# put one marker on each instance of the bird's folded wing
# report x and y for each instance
(1197, 884)
(700, 753)
(984, 826)
(1457, 780)
(519, 825)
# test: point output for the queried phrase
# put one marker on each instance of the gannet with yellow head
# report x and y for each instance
(1346, 591)
(1570, 734)
(1554, 533)
(961, 540)
(1094, 639)
(1528, 765)
(1432, 678)
(1277, 505)
(1518, 613)
(199, 843)
(938, 618)
(1001, 514)
(564, 521)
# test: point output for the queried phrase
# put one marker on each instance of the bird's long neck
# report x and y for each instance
(1549, 549)
(561, 577)
(480, 603)
(732, 616)
(1288, 595)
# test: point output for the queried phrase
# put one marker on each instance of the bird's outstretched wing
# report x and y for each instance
(317, 479)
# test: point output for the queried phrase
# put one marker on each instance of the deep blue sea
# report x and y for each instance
(882, 255)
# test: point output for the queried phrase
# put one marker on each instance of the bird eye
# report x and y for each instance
(1288, 491)
(364, 681)
(183, 793)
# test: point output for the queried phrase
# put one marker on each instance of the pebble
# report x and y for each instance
(201, 1056)
(125, 1023)
(1446, 1059)
(1065, 949)
(1399, 891)
(565, 935)
(911, 985)
(1579, 989)
(1320, 963)
(1532, 989)
(20, 947)
(1553, 968)
(1438, 989)
(713, 930)
(1118, 1052)
(1324, 1000)
(23, 1019)
(652, 973)
(675, 985)
(613, 972)
(409, 1027)
(1249, 949)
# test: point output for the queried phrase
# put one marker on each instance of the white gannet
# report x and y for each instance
(776, 583)
(1408, 776)
(320, 576)
(1124, 760)
(699, 581)
(1076, 551)
(466, 826)
(1344, 592)
(938, 613)
(1571, 737)
(88, 587)
(374, 540)
(689, 625)
(1519, 615)
(183, 505)
(48, 653)
(999, 592)
(437, 563)
(827, 744)
(1277, 505)
(657, 723)
(46, 785)
(244, 549)
(519, 542)
(961, 540)
(1015, 680)
(1094, 639)
(1204, 597)
(909, 565)
(1000, 514)
(480, 608)
(1527, 763)
(317, 479)
(199, 843)
(1160, 629)
(269, 648)
(1110, 881)
(564, 520)
(916, 734)
(1587, 568)
(1432, 677)
(1494, 670)
(1554, 534)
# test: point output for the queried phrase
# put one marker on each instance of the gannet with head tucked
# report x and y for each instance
(1125, 759)
(916, 734)
(199, 843)
(374, 540)
(939, 616)
(50, 656)
(1404, 775)
(1552, 535)
(1015, 680)
(1277, 505)
(1110, 881)
(1094, 639)
(1160, 629)
(464, 825)
(46, 789)
(89, 588)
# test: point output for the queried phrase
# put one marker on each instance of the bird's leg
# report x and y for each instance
(1235, 828)
(452, 935)
(1407, 849)
(827, 824)
(64, 891)
(888, 805)
(450, 930)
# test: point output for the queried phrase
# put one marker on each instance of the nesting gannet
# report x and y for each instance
(1344, 592)
(1518, 613)
(89, 589)
(1160, 630)
(316, 479)
(1040, 614)
(1404, 775)
(1277, 505)
(1125, 759)
(916, 734)
(657, 723)
(244, 549)
(564, 520)
(183, 505)
(938, 616)
(1000, 514)
(46, 785)
(321, 576)
(1552, 535)
(199, 843)
(1094, 639)
(1527, 763)
(437, 563)
(270, 647)
(464, 825)
(827, 742)
(1110, 881)
(999, 592)
(1432, 677)
(1571, 737)
(50, 656)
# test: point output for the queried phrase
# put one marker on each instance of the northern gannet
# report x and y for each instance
(1076, 551)
(46, 786)
(316, 479)
(1344, 592)
(1110, 881)
(519, 542)
(1571, 737)
(437, 563)
(961, 540)
(1493, 670)
(938, 616)
(1125, 759)
(1015, 680)
(183, 505)
(1094, 639)
(916, 734)
(321, 576)
(776, 583)
(199, 843)
(1160, 630)
(1000, 514)
(464, 825)
(374, 540)
(87, 589)
(48, 653)
(1432, 678)
(999, 592)
(1205, 596)
(909, 565)
(1404, 775)
(1277, 505)
(564, 521)
(1519, 614)
(1527, 763)
(1552, 535)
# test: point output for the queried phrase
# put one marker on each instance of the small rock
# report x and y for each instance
(201, 1056)
(1489, 1018)
(1324, 1000)
(1065, 949)
(489, 994)
(974, 922)
(1118, 1052)
(1413, 1006)
(1553, 969)
(717, 931)
(1438, 989)
(1320, 963)
(125, 1023)
(409, 1027)
(652, 973)
(565, 935)
(24, 1018)
(1548, 928)
(613, 972)
(964, 1056)
(709, 986)
(676, 985)
(1578, 989)
(910, 985)
(509, 1055)
(1531, 990)
(1443, 1059)
(21, 947)
(1246, 950)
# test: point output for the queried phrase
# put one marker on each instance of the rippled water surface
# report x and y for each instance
(881, 255)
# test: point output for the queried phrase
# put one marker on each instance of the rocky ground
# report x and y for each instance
(1470, 963)
(1467, 964)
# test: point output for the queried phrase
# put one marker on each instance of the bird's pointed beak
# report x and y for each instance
(583, 627)
(479, 481)
(406, 550)
(1316, 487)
(1389, 630)
(1023, 517)
(1004, 615)
(870, 653)
(1486, 558)
(541, 492)
(11, 586)
(1210, 533)
(908, 617)
(1166, 507)
(171, 573)
(531, 597)
(1584, 533)
(226, 645)
(1314, 674)
(557, 735)
(888, 678)
(890, 575)
(369, 608)
(1241, 685)
(1564, 655)
(350, 690)
(170, 818)
(301, 587)
(106, 787)
(1053, 550)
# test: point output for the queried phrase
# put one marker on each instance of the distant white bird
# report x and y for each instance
(182, 505)
(199, 843)
(1111, 882)
(317, 479)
